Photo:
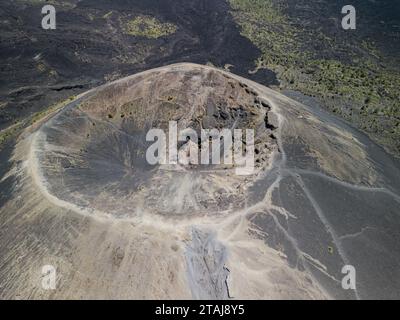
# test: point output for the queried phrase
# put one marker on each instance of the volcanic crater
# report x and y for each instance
(93, 153)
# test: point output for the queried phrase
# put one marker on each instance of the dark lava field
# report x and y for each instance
(89, 47)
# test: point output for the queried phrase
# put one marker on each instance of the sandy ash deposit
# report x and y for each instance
(82, 197)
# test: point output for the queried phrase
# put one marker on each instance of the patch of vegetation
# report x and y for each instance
(41, 67)
(15, 129)
(53, 108)
(267, 27)
(7, 134)
(360, 81)
(108, 14)
(149, 27)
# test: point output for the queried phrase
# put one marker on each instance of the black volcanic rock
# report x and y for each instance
(90, 47)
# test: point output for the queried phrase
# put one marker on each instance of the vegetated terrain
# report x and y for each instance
(355, 73)
(148, 27)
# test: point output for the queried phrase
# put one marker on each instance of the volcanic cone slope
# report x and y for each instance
(321, 198)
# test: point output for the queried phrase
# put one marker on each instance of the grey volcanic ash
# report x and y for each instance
(85, 200)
